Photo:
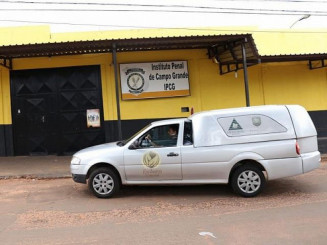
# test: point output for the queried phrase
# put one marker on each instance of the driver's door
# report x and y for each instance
(159, 159)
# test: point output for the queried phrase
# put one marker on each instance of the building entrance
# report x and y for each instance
(49, 109)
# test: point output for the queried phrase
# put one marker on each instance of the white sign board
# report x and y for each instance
(93, 118)
(154, 80)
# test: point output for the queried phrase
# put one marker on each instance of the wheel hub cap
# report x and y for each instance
(103, 183)
(249, 181)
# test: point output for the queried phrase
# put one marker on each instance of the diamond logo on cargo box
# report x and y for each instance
(235, 125)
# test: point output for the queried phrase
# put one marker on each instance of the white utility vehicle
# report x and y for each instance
(235, 146)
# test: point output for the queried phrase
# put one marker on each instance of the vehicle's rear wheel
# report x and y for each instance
(248, 180)
(103, 182)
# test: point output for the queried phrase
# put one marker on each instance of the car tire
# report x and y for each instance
(248, 180)
(103, 182)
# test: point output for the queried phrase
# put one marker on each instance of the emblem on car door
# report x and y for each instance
(151, 159)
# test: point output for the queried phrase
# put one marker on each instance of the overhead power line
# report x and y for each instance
(74, 24)
(280, 1)
(222, 11)
(156, 27)
(158, 8)
(135, 4)
(210, 8)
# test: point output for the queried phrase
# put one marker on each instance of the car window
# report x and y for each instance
(124, 142)
(161, 136)
(188, 134)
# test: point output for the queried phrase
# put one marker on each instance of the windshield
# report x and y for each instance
(124, 142)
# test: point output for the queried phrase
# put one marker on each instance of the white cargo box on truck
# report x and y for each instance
(267, 134)
(242, 125)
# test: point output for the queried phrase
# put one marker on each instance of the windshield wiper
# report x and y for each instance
(120, 143)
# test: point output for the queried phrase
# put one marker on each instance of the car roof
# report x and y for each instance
(168, 121)
(236, 111)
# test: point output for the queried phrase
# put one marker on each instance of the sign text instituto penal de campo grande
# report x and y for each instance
(154, 80)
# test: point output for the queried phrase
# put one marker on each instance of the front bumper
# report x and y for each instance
(79, 178)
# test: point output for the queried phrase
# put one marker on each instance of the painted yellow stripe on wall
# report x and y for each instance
(5, 103)
(160, 94)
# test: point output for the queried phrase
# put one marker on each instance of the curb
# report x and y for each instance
(35, 177)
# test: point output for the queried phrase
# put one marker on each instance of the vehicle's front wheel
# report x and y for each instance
(248, 180)
(103, 182)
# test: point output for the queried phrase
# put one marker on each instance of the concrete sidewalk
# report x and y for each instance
(38, 167)
(42, 167)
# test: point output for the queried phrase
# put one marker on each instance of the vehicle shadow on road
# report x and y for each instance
(181, 191)
(287, 186)
(292, 186)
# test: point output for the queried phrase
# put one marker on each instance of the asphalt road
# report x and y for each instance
(289, 211)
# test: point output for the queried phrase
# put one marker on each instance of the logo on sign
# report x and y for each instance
(135, 80)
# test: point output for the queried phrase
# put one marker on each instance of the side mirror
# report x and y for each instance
(134, 145)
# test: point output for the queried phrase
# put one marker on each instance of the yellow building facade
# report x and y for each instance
(290, 82)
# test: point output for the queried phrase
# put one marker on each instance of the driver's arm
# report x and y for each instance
(148, 137)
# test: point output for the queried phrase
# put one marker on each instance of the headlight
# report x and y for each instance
(75, 160)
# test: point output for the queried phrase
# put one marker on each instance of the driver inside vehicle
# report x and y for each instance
(157, 138)
(173, 132)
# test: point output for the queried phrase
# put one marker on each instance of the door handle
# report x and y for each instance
(172, 154)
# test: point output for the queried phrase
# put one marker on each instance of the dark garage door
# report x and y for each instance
(49, 110)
